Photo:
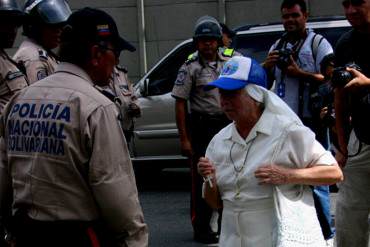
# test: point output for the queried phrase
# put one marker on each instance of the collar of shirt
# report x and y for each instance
(264, 125)
(219, 58)
(74, 70)
(32, 43)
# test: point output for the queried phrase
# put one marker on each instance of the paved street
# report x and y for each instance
(165, 199)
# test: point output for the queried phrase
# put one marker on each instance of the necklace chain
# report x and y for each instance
(239, 169)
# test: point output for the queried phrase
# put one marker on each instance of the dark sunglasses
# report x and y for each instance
(115, 52)
(355, 3)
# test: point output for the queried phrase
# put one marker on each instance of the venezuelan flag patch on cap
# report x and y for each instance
(103, 30)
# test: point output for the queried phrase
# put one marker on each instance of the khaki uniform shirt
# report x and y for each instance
(11, 79)
(67, 156)
(38, 62)
(121, 87)
(192, 77)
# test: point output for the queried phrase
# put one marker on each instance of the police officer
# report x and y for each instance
(227, 35)
(65, 160)
(352, 111)
(120, 90)
(43, 26)
(12, 79)
(227, 38)
(206, 117)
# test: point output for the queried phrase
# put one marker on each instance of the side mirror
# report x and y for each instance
(144, 89)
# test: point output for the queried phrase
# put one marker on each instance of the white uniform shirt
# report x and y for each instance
(308, 64)
(227, 149)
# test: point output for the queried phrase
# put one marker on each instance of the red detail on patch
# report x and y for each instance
(105, 32)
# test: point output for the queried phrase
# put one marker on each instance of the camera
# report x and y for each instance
(341, 76)
(284, 58)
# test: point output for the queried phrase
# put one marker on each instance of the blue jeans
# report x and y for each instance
(321, 195)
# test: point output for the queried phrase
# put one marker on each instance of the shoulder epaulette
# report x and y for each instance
(192, 57)
(122, 68)
(43, 54)
(228, 52)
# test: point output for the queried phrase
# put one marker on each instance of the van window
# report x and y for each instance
(332, 34)
(161, 80)
(258, 45)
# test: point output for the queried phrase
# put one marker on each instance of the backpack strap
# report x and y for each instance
(315, 43)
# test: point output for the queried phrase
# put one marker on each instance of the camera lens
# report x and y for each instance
(284, 58)
(341, 77)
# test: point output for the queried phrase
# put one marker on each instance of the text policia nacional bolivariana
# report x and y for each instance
(38, 128)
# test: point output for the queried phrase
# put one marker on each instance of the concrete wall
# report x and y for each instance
(168, 22)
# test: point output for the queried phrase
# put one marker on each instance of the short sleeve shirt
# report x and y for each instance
(307, 63)
(39, 63)
(11, 79)
(190, 81)
(121, 87)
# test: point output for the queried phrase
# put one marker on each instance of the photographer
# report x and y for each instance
(294, 63)
(352, 108)
(323, 103)
(294, 60)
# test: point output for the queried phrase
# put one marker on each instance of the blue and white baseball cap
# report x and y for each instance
(237, 73)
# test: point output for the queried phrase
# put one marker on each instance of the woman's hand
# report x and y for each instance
(272, 174)
(206, 168)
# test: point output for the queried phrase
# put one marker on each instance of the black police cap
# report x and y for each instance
(96, 25)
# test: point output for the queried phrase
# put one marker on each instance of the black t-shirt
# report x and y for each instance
(353, 47)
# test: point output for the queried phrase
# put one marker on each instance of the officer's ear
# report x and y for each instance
(95, 54)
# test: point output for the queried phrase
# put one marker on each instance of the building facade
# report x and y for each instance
(156, 26)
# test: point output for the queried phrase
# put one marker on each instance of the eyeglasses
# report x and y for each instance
(354, 3)
(115, 52)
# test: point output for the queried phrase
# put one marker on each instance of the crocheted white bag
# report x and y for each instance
(297, 222)
(296, 218)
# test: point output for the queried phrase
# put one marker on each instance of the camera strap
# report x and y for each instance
(296, 47)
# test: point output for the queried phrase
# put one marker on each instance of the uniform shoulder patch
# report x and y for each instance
(43, 54)
(41, 74)
(181, 77)
(122, 68)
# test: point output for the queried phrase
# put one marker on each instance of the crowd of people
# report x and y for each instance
(259, 137)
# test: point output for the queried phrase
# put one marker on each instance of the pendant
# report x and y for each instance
(237, 194)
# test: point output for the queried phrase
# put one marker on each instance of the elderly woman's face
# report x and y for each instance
(236, 103)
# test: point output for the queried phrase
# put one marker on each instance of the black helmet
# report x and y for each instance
(10, 7)
(48, 11)
(207, 26)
